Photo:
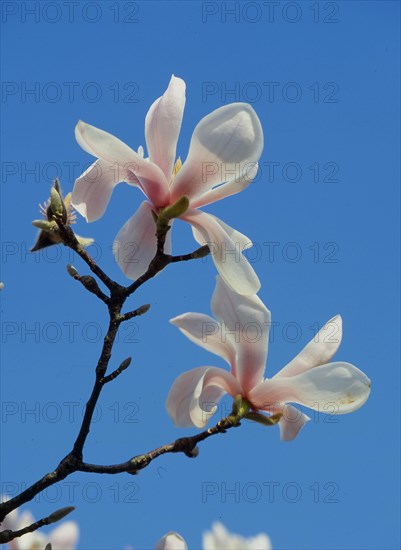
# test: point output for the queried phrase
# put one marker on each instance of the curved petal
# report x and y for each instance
(245, 324)
(163, 125)
(103, 145)
(291, 422)
(319, 351)
(232, 187)
(336, 388)
(194, 395)
(65, 536)
(206, 332)
(222, 146)
(135, 245)
(171, 541)
(93, 189)
(226, 246)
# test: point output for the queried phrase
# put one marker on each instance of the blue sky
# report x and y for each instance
(324, 80)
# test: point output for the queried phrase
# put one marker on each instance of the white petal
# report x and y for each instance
(93, 189)
(206, 332)
(171, 541)
(105, 146)
(319, 351)
(336, 388)
(226, 251)
(194, 395)
(65, 536)
(223, 145)
(163, 124)
(291, 422)
(32, 540)
(232, 187)
(245, 324)
(135, 245)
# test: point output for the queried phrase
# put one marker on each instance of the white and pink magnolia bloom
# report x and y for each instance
(241, 336)
(222, 160)
(63, 537)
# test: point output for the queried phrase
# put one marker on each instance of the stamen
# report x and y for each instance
(177, 166)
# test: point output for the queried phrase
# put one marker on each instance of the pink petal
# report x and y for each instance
(227, 189)
(109, 148)
(163, 124)
(337, 388)
(93, 189)
(135, 245)
(206, 332)
(194, 395)
(226, 250)
(65, 536)
(319, 351)
(245, 325)
(291, 422)
(223, 145)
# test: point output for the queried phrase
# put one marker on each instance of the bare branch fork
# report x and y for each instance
(118, 294)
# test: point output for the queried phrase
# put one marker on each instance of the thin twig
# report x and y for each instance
(8, 535)
(195, 255)
(186, 445)
(69, 239)
(124, 365)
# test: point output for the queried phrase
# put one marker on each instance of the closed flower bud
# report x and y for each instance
(72, 271)
(60, 514)
(56, 202)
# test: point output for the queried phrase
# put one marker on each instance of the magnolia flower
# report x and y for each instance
(63, 537)
(222, 160)
(217, 539)
(241, 337)
(220, 539)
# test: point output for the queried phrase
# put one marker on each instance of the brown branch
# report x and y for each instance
(73, 461)
(70, 464)
(186, 445)
(89, 283)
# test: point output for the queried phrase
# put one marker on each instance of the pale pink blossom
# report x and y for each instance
(221, 161)
(241, 336)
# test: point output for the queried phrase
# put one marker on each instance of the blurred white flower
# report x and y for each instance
(220, 539)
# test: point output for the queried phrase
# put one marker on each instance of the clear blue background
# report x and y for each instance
(343, 58)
